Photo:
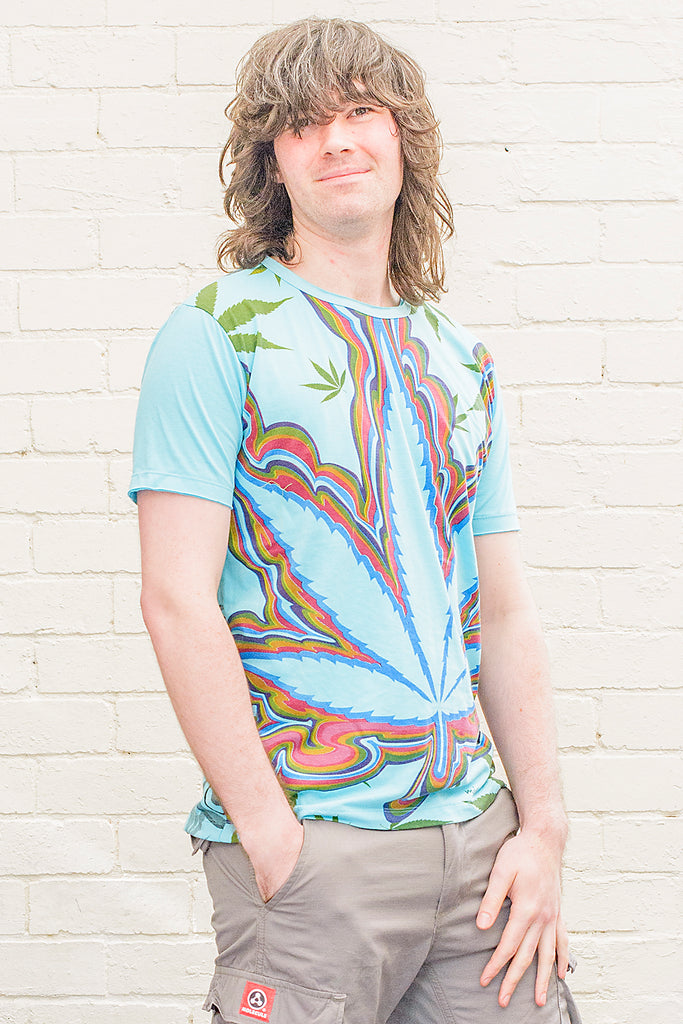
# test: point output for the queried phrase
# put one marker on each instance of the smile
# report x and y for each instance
(342, 174)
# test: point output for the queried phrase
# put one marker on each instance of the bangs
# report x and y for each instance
(312, 69)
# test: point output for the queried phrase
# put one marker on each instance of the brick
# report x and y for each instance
(148, 725)
(50, 1011)
(609, 965)
(119, 479)
(584, 846)
(556, 476)
(68, 365)
(603, 415)
(651, 234)
(641, 114)
(546, 356)
(6, 183)
(644, 904)
(127, 614)
(101, 303)
(643, 845)
(4, 60)
(172, 121)
(481, 176)
(605, 659)
(202, 908)
(482, 298)
(200, 188)
(536, 234)
(530, 114)
(210, 57)
(604, 537)
(98, 424)
(467, 54)
(15, 435)
(75, 847)
(176, 12)
(81, 545)
(586, 173)
(97, 665)
(160, 240)
(17, 788)
(127, 361)
(116, 906)
(147, 845)
(643, 478)
(599, 293)
(45, 120)
(645, 356)
(53, 604)
(617, 782)
(13, 903)
(566, 598)
(91, 182)
(643, 600)
(118, 785)
(665, 1010)
(15, 545)
(163, 1011)
(637, 721)
(93, 60)
(17, 665)
(52, 726)
(33, 243)
(42, 12)
(180, 967)
(576, 721)
(619, 51)
(60, 968)
(62, 485)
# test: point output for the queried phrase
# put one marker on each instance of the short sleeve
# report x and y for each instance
(188, 428)
(494, 507)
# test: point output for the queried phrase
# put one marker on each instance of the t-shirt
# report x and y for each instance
(361, 450)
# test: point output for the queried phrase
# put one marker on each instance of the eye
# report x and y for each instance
(361, 111)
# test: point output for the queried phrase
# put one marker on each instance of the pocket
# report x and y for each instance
(240, 996)
(294, 875)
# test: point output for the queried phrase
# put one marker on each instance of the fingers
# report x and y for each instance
(546, 960)
(494, 897)
(562, 949)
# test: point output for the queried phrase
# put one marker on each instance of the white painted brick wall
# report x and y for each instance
(563, 129)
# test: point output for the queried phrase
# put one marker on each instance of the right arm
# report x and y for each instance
(183, 543)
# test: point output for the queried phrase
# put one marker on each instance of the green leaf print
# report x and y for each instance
(422, 823)
(482, 802)
(250, 342)
(433, 320)
(206, 299)
(332, 382)
(260, 269)
(242, 312)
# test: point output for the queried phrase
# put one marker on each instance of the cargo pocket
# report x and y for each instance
(237, 997)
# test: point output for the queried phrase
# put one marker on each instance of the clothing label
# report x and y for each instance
(257, 1001)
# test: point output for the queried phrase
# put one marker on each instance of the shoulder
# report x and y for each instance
(461, 343)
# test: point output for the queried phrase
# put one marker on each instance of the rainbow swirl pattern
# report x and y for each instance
(377, 675)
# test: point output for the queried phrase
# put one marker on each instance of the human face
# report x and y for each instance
(343, 177)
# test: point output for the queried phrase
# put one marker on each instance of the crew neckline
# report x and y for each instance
(384, 312)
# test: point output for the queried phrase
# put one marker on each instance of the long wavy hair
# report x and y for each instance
(304, 72)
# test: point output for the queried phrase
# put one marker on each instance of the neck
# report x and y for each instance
(357, 268)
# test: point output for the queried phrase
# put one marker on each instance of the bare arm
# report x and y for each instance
(514, 692)
(184, 542)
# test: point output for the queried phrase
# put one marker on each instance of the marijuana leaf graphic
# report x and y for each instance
(331, 381)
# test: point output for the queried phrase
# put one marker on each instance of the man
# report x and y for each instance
(327, 527)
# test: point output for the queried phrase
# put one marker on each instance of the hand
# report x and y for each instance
(527, 869)
(275, 857)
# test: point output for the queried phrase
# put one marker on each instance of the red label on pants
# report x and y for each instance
(257, 1001)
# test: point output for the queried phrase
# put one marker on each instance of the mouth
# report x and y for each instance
(349, 173)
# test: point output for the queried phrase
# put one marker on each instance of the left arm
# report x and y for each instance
(515, 696)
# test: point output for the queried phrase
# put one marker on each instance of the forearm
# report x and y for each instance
(205, 680)
(515, 695)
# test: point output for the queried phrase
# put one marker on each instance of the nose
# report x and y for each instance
(336, 137)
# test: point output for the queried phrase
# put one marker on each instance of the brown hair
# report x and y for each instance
(302, 73)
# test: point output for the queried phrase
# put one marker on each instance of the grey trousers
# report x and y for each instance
(371, 927)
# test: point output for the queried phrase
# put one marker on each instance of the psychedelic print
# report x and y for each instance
(361, 441)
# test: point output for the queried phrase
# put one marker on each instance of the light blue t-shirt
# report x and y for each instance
(361, 450)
